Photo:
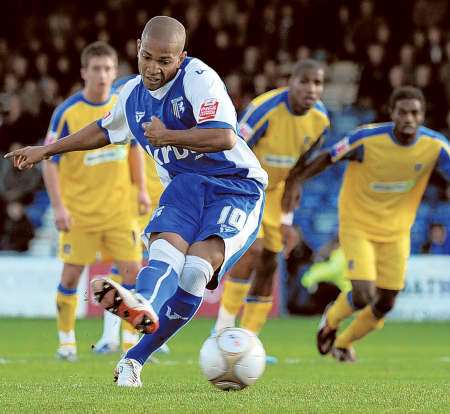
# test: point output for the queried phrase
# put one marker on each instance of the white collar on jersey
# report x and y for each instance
(161, 92)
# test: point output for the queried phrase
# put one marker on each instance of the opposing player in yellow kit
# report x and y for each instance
(90, 192)
(390, 165)
(283, 127)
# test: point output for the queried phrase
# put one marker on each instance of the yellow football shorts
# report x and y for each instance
(381, 262)
(271, 222)
(81, 247)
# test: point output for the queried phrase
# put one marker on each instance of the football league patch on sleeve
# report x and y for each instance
(245, 131)
(341, 148)
(208, 110)
(50, 138)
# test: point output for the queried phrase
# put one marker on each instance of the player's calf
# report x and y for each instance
(128, 306)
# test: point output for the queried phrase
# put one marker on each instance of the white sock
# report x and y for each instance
(225, 319)
(111, 328)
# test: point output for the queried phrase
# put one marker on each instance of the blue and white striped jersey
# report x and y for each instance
(196, 97)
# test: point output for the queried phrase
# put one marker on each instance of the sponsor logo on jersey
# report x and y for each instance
(161, 155)
(116, 153)
(67, 248)
(208, 109)
(178, 107)
(393, 187)
(341, 147)
(139, 116)
(280, 161)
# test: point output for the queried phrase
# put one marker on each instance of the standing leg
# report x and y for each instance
(259, 300)
(66, 304)
(236, 286)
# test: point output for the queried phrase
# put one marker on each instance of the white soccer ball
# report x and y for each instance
(232, 359)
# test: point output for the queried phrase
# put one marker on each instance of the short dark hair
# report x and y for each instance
(305, 64)
(98, 49)
(406, 92)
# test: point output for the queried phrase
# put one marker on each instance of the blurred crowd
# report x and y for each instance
(370, 47)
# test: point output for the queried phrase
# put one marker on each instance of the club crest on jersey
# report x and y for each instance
(418, 167)
(178, 106)
(208, 109)
(139, 116)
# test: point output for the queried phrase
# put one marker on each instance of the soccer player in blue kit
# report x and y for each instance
(210, 212)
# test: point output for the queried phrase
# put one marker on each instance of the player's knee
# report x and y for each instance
(196, 274)
(70, 276)
(361, 298)
(384, 303)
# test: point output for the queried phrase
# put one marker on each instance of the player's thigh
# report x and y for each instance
(359, 254)
(233, 212)
(244, 267)
(122, 244)
(271, 222)
(392, 259)
(79, 247)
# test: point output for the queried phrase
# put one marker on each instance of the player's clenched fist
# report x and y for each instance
(156, 132)
(25, 158)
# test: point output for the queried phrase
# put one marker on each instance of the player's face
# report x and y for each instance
(158, 61)
(99, 74)
(306, 89)
(407, 115)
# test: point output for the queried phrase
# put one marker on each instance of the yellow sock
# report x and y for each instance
(66, 304)
(256, 311)
(340, 310)
(364, 323)
(130, 336)
(234, 292)
(115, 277)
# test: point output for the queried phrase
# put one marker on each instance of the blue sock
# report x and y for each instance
(157, 282)
(174, 314)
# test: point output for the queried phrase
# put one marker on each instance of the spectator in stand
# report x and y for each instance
(438, 240)
(17, 229)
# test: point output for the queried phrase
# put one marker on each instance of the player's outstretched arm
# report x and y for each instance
(89, 137)
(297, 177)
(194, 139)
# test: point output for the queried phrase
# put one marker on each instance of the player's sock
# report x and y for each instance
(364, 323)
(341, 309)
(66, 304)
(256, 311)
(111, 322)
(178, 310)
(158, 281)
(234, 292)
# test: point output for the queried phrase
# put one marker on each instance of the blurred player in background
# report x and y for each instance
(210, 211)
(283, 127)
(390, 165)
(90, 193)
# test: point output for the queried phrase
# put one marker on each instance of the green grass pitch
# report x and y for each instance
(403, 368)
